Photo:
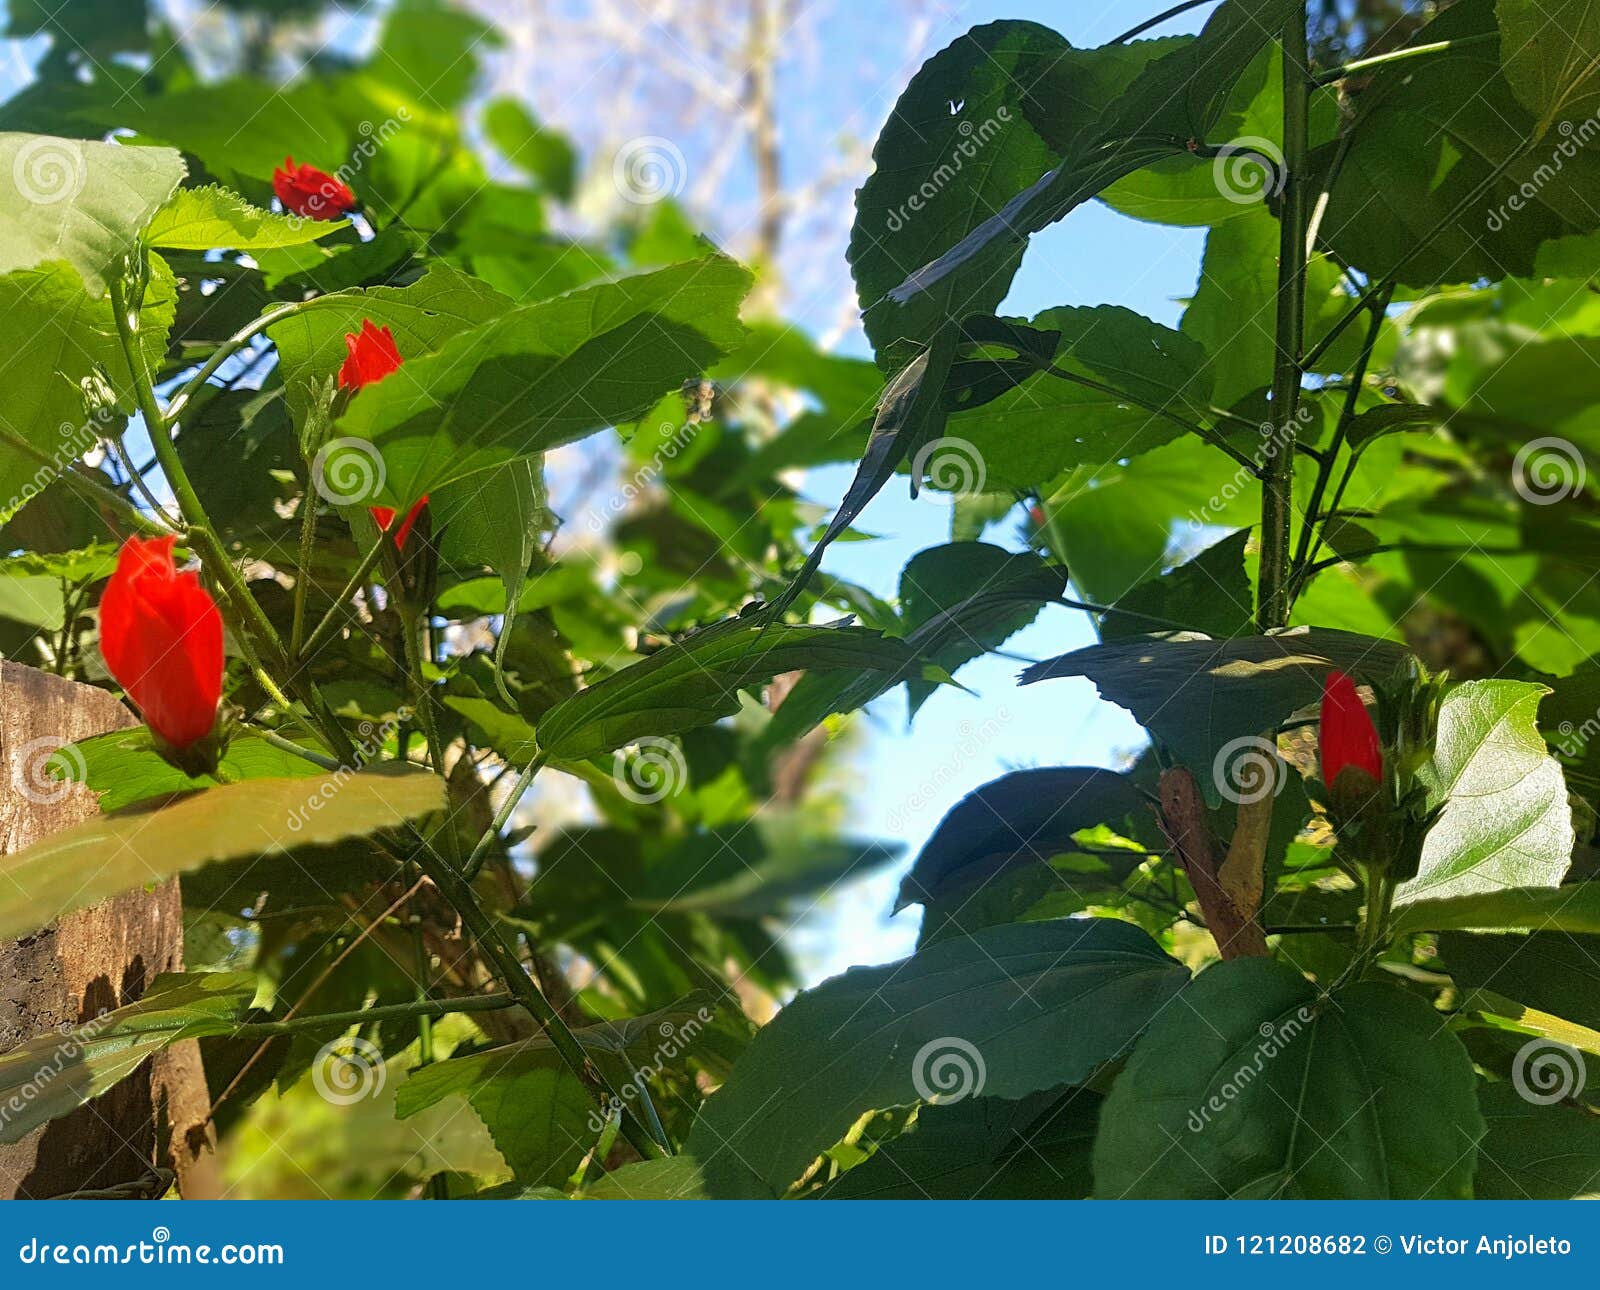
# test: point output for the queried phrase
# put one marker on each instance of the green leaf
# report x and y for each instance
(936, 581)
(124, 768)
(1196, 694)
(89, 862)
(58, 341)
(1191, 190)
(441, 304)
(1536, 1151)
(1554, 972)
(911, 414)
(1574, 908)
(1184, 93)
(956, 147)
(215, 218)
(548, 373)
(1506, 820)
(537, 151)
(1210, 593)
(1049, 424)
(1007, 1011)
(54, 1073)
(1416, 196)
(81, 204)
(541, 1117)
(1233, 313)
(499, 518)
(1261, 1089)
(1547, 48)
(747, 870)
(674, 1178)
(697, 680)
(983, 1148)
(510, 736)
(1022, 818)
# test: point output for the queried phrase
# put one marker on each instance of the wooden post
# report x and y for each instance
(152, 1126)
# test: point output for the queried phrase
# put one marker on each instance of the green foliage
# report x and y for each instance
(954, 1018)
(588, 760)
(1272, 1091)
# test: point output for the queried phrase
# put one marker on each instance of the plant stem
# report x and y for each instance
(480, 853)
(384, 1012)
(331, 620)
(289, 746)
(302, 572)
(225, 351)
(100, 494)
(1305, 552)
(209, 546)
(1277, 485)
(455, 889)
(1160, 18)
(1400, 55)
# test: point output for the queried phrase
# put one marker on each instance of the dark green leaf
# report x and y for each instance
(697, 680)
(1210, 593)
(1196, 694)
(1261, 1089)
(1008, 1011)
(1022, 818)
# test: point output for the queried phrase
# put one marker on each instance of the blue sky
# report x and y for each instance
(905, 780)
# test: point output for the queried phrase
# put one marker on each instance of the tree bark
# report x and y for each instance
(150, 1129)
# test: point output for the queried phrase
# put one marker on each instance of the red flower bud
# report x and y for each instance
(161, 636)
(385, 517)
(372, 356)
(1348, 737)
(307, 191)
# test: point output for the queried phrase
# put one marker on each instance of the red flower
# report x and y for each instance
(161, 636)
(307, 191)
(1348, 736)
(373, 355)
(385, 517)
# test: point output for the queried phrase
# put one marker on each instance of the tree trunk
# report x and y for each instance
(152, 1127)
